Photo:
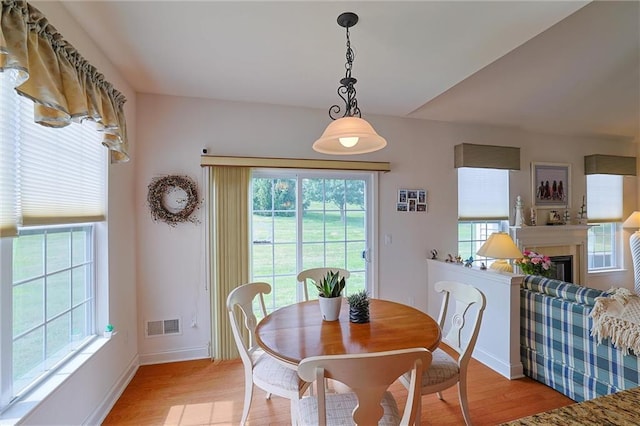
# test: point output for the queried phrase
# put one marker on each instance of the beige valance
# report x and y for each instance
(293, 163)
(599, 164)
(62, 84)
(486, 156)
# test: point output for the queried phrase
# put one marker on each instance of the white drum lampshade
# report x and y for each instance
(501, 247)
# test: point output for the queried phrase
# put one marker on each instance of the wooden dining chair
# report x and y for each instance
(368, 376)
(460, 334)
(307, 277)
(260, 369)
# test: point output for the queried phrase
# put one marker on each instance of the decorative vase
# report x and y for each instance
(359, 315)
(330, 307)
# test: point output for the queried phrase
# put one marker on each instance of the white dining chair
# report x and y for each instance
(308, 276)
(260, 369)
(368, 376)
(460, 334)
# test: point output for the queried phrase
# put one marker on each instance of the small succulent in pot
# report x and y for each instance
(359, 307)
(331, 285)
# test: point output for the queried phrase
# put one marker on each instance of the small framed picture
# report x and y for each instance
(551, 185)
(411, 200)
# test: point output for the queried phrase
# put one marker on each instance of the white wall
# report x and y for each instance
(173, 130)
(87, 393)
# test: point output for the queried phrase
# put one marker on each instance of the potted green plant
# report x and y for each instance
(330, 295)
(359, 307)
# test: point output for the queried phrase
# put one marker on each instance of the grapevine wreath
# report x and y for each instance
(160, 187)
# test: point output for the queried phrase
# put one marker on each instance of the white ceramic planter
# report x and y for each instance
(330, 307)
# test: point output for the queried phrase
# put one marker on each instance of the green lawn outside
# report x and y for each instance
(327, 239)
(29, 259)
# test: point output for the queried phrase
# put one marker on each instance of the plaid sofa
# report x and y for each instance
(556, 346)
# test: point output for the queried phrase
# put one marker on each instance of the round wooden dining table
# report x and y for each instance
(297, 331)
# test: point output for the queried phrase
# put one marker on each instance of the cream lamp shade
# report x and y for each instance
(500, 246)
(349, 135)
(633, 221)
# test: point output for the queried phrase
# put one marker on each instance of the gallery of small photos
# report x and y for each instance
(412, 200)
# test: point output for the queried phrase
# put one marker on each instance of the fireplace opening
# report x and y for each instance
(562, 267)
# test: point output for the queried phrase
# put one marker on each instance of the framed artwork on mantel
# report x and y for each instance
(551, 185)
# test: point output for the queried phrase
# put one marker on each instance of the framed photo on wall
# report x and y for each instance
(551, 185)
(411, 200)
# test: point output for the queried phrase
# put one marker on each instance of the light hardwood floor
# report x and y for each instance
(211, 393)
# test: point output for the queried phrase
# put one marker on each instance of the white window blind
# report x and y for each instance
(604, 198)
(49, 176)
(483, 194)
(8, 195)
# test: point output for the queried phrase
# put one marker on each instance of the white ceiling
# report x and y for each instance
(550, 66)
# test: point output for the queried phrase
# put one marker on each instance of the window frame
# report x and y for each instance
(616, 251)
(602, 211)
(91, 300)
(500, 225)
(371, 184)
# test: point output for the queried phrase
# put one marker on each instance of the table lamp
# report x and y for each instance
(633, 221)
(500, 246)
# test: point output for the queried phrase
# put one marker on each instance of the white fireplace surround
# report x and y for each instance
(556, 240)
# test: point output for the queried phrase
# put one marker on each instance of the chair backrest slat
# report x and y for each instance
(369, 376)
(458, 305)
(242, 298)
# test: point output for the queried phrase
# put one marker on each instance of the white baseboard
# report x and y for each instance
(186, 354)
(101, 411)
(510, 371)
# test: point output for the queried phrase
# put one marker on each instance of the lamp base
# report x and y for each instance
(501, 265)
(634, 244)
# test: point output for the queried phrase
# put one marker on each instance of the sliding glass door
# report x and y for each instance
(307, 219)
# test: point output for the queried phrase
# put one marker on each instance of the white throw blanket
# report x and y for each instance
(618, 318)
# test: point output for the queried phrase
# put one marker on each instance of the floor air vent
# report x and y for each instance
(163, 327)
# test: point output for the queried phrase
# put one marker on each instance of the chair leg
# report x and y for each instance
(439, 395)
(294, 411)
(248, 394)
(462, 395)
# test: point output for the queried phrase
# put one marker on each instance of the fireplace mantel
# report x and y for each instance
(568, 239)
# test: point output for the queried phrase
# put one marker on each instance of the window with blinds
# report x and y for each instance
(483, 207)
(52, 191)
(604, 210)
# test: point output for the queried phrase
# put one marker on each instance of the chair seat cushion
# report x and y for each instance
(443, 368)
(340, 408)
(268, 370)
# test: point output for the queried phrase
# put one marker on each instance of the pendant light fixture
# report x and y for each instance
(348, 134)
